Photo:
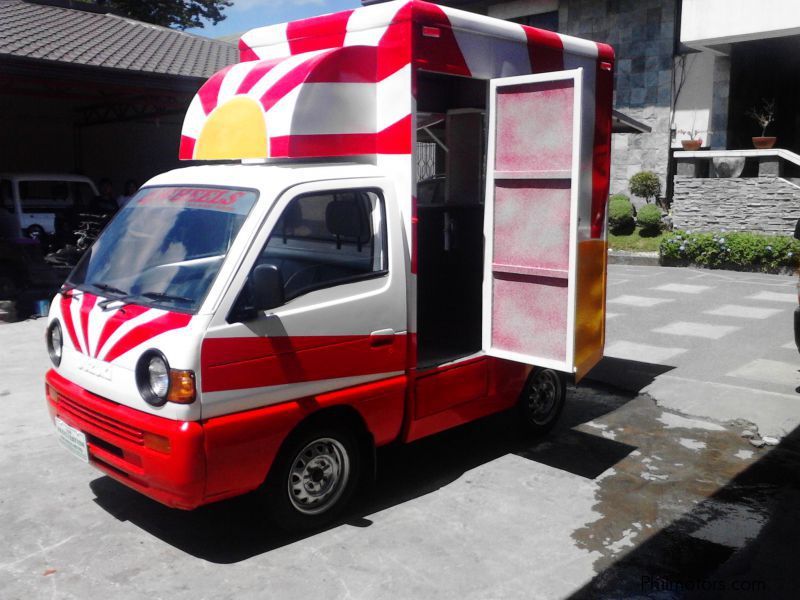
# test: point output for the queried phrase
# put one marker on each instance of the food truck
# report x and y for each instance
(266, 319)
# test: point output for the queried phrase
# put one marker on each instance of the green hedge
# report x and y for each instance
(649, 218)
(746, 251)
(620, 215)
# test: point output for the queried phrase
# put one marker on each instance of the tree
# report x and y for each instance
(179, 14)
(645, 184)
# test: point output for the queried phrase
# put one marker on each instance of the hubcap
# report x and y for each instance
(318, 476)
(543, 396)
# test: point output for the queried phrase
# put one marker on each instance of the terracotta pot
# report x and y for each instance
(764, 143)
(691, 145)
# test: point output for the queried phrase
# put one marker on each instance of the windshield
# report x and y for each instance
(166, 246)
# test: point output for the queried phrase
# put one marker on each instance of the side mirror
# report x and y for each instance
(267, 287)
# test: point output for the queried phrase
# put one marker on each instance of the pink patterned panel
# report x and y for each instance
(529, 315)
(531, 223)
(534, 130)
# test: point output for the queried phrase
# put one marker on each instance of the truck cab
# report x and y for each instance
(265, 325)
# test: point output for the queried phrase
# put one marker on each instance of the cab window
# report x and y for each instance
(328, 239)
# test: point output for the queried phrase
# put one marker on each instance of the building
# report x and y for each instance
(682, 66)
(85, 91)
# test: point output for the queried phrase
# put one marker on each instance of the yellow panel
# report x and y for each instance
(234, 129)
(590, 318)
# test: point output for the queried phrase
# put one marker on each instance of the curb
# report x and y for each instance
(642, 259)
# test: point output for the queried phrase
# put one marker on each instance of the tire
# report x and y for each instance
(541, 401)
(313, 478)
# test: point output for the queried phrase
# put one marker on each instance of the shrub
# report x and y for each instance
(749, 251)
(649, 219)
(620, 215)
(645, 184)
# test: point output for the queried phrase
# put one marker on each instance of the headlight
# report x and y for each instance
(55, 342)
(152, 377)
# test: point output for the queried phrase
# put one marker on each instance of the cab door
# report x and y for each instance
(538, 207)
(342, 321)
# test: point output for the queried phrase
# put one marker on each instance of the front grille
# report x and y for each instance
(103, 422)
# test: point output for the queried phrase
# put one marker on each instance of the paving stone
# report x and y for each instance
(642, 352)
(743, 312)
(701, 330)
(682, 288)
(771, 371)
(642, 301)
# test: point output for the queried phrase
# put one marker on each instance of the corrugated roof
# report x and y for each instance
(53, 33)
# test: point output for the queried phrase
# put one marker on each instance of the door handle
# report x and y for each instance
(381, 337)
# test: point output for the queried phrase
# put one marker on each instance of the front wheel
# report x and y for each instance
(542, 400)
(313, 479)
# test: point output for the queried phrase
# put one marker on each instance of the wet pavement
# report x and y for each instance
(626, 498)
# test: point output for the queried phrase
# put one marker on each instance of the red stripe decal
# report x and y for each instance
(146, 331)
(441, 54)
(395, 43)
(186, 150)
(87, 304)
(395, 139)
(341, 65)
(241, 363)
(318, 33)
(209, 92)
(255, 73)
(545, 49)
(123, 315)
(246, 53)
(601, 160)
(66, 316)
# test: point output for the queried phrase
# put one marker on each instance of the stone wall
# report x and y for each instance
(759, 204)
(642, 33)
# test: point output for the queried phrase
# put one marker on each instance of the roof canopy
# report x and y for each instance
(319, 103)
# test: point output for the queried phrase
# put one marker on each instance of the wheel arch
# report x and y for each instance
(340, 415)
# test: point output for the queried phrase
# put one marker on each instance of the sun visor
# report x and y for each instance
(322, 103)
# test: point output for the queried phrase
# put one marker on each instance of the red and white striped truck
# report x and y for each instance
(268, 322)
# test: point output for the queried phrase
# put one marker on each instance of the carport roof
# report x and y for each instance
(64, 35)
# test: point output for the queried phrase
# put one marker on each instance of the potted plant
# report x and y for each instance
(764, 115)
(694, 142)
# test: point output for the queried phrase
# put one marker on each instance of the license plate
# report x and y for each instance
(73, 440)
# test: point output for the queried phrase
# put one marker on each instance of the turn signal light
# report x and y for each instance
(156, 442)
(181, 387)
(51, 393)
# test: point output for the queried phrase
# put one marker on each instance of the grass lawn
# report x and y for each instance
(634, 242)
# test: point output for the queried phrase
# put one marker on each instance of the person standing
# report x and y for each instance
(128, 193)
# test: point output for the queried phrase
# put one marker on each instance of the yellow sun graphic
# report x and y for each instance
(234, 129)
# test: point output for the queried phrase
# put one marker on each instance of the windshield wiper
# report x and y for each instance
(108, 288)
(163, 296)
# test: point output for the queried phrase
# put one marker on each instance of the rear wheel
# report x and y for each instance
(313, 478)
(542, 400)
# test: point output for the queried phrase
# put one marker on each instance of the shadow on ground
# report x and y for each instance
(629, 375)
(233, 530)
(741, 542)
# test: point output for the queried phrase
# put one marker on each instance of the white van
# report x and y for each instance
(29, 203)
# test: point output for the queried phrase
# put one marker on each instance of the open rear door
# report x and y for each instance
(533, 204)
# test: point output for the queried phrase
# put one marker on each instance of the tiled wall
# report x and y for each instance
(642, 33)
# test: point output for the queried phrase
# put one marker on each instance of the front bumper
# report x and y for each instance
(118, 440)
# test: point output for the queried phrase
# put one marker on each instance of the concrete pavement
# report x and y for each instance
(715, 344)
(625, 498)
